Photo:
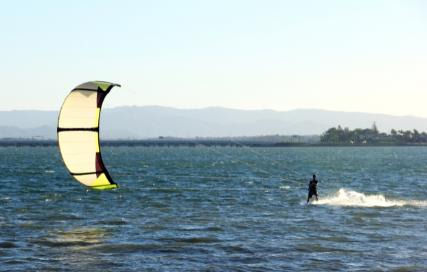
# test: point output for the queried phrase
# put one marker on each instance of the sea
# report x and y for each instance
(217, 209)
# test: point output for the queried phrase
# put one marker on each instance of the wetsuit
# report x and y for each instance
(312, 188)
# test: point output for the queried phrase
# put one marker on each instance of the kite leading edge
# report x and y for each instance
(78, 134)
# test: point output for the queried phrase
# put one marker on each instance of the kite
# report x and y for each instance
(78, 134)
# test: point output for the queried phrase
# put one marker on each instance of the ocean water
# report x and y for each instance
(218, 209)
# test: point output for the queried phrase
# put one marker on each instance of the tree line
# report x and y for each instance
(358, 135)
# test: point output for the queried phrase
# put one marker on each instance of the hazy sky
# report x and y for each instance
(364, 56)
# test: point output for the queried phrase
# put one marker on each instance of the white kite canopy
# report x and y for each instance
(78, 134)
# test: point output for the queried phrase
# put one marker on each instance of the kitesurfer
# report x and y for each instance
(312, 188)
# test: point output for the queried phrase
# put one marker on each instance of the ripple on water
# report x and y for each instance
(368, 211)
(7, 245)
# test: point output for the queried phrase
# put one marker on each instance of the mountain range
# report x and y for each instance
(154, 121)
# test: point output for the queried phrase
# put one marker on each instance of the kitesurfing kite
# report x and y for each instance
(78, 134)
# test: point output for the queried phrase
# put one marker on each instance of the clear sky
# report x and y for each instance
(363, 56)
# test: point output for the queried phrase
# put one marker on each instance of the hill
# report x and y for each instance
(154, 121)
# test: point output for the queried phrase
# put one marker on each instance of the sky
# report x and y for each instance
(353, 56)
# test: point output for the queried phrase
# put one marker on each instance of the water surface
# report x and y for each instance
(218, 209)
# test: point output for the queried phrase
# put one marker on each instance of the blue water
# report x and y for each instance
(219, 209)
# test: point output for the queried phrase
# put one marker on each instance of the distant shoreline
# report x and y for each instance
(206, 143)
(346, 145)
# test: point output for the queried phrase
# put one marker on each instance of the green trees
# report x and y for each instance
(330, 135)
(346, 134)
(356, 134)
(366, 133)
(340, 135)
(374, 129)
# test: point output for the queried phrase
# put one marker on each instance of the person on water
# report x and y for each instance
(312, 188)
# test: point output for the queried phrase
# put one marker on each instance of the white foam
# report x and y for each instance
(353, 198)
